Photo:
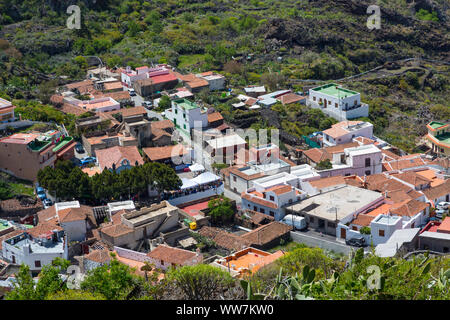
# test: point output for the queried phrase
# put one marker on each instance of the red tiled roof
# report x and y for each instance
(291, 98)
(43, 228)
(317, 155)
(412, 178)
(74, 214)
(258, 200)
(408, 208)
(116, 155)
(224, 239)
(128, 112)
(213, 117)
(162, 124)
(162, 153)
(267, 233)
(116, 230)
(99, 256)
(171, 254)
(439, 191)
(280, 189)
(363, 220)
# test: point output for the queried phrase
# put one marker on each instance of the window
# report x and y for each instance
(314, 98)
(356, 102)
(335, 105)
(272, 214)
(255, 208)
(184, 126)
(176, 111)
(412, 225)
(262, 210)
(234, 178)
(249, 205)
(331, 225)
(272, 198)
(367, 173)
(290, 200)
(381, 233)
(311, 219)
(367, 162)
(37, 263)
(354, 228)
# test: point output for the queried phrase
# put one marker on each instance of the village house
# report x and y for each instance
(225, 149)
(435, 236)
(439, 137)
(345, 131)
(171, 155)
(247, 261)
(330, 211)
(24, 154)
(337, 102)
(439, 193)
(6, 111)
(100, 104)
(157, 81)
(216, 81)
(165, 257)
(346, 159)
(271, 200)
(119, 158)
(186, 115)
(162, 133)
(36, 247)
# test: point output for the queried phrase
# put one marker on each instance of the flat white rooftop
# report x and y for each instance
(339, 202)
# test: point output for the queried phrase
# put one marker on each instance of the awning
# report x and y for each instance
(188, 183)
(196, 167)
(206, 177)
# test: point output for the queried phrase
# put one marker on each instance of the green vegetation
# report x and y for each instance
(324, 165)
(302, 273)
(220, 209)
(425, 15)
(68, 181)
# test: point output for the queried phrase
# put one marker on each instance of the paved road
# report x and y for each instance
(138, 100)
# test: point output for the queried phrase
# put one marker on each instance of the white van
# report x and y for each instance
(299, 223)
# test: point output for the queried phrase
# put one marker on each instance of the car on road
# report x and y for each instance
(443, 205)
(47, 203)
(298, 223)
(79, 148)
(440, 213)
(356, 242)
(41, 193)
(132, 92)
(147, 104)
(88, 160)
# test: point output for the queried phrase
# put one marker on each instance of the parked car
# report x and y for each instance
(88, 160)
(443, 205)
(79, 148)
(147, 104)
(298, 223)
(47, 203)
(132, 92)
(357, 242)
(440, 213)
(41, 193)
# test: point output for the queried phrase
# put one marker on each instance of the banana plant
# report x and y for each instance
(442, 281)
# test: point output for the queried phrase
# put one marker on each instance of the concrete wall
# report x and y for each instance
(321, 243)
(75, 230)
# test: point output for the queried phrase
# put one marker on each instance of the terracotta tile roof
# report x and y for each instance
(158, 133)
(402, 195)
(47, 215)
(74, 214)
(72, 109)
(335, 132)
(224, 239)
(251, 101)
(197, 83)
(403, 163)
(76, 85)
(408, 208)
(118, 96)
(162, 124)
(382, 209)
(365, 140)
(291, 98)
(129, 112)
(56, 99)
(43, 228)
(363, 220)
(431, 175)
(444, 226)
(234, 170)
(213, 117)
(317, 155)
(267, 233)
(327, 182)
(412, 178)
(439, 191)
(280, 189)
(389, 156)
(171, 254)
(161, 153)
(226, 171)
(9, 235)
(116, 230)
(92, 171)
(116, 155)
(340, 147)
(99, 256)
(112, 85)
(259, 200)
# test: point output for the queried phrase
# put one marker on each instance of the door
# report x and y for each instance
(343, 233)
(13, 258)
(325, 103)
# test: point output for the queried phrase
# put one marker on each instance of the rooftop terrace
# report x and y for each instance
(186, 104)
(332, 89)
(62, 144)
(436, 124)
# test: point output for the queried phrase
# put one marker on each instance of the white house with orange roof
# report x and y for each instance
(129, 76)
(100, 105)
(6, 111)
(271, 200)
(346, 131)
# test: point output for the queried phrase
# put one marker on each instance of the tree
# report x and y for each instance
(5, 190)
(324, 164)
(220, 209)
(200, 282)
(114, 281)
(164, 103)
(49, 282)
